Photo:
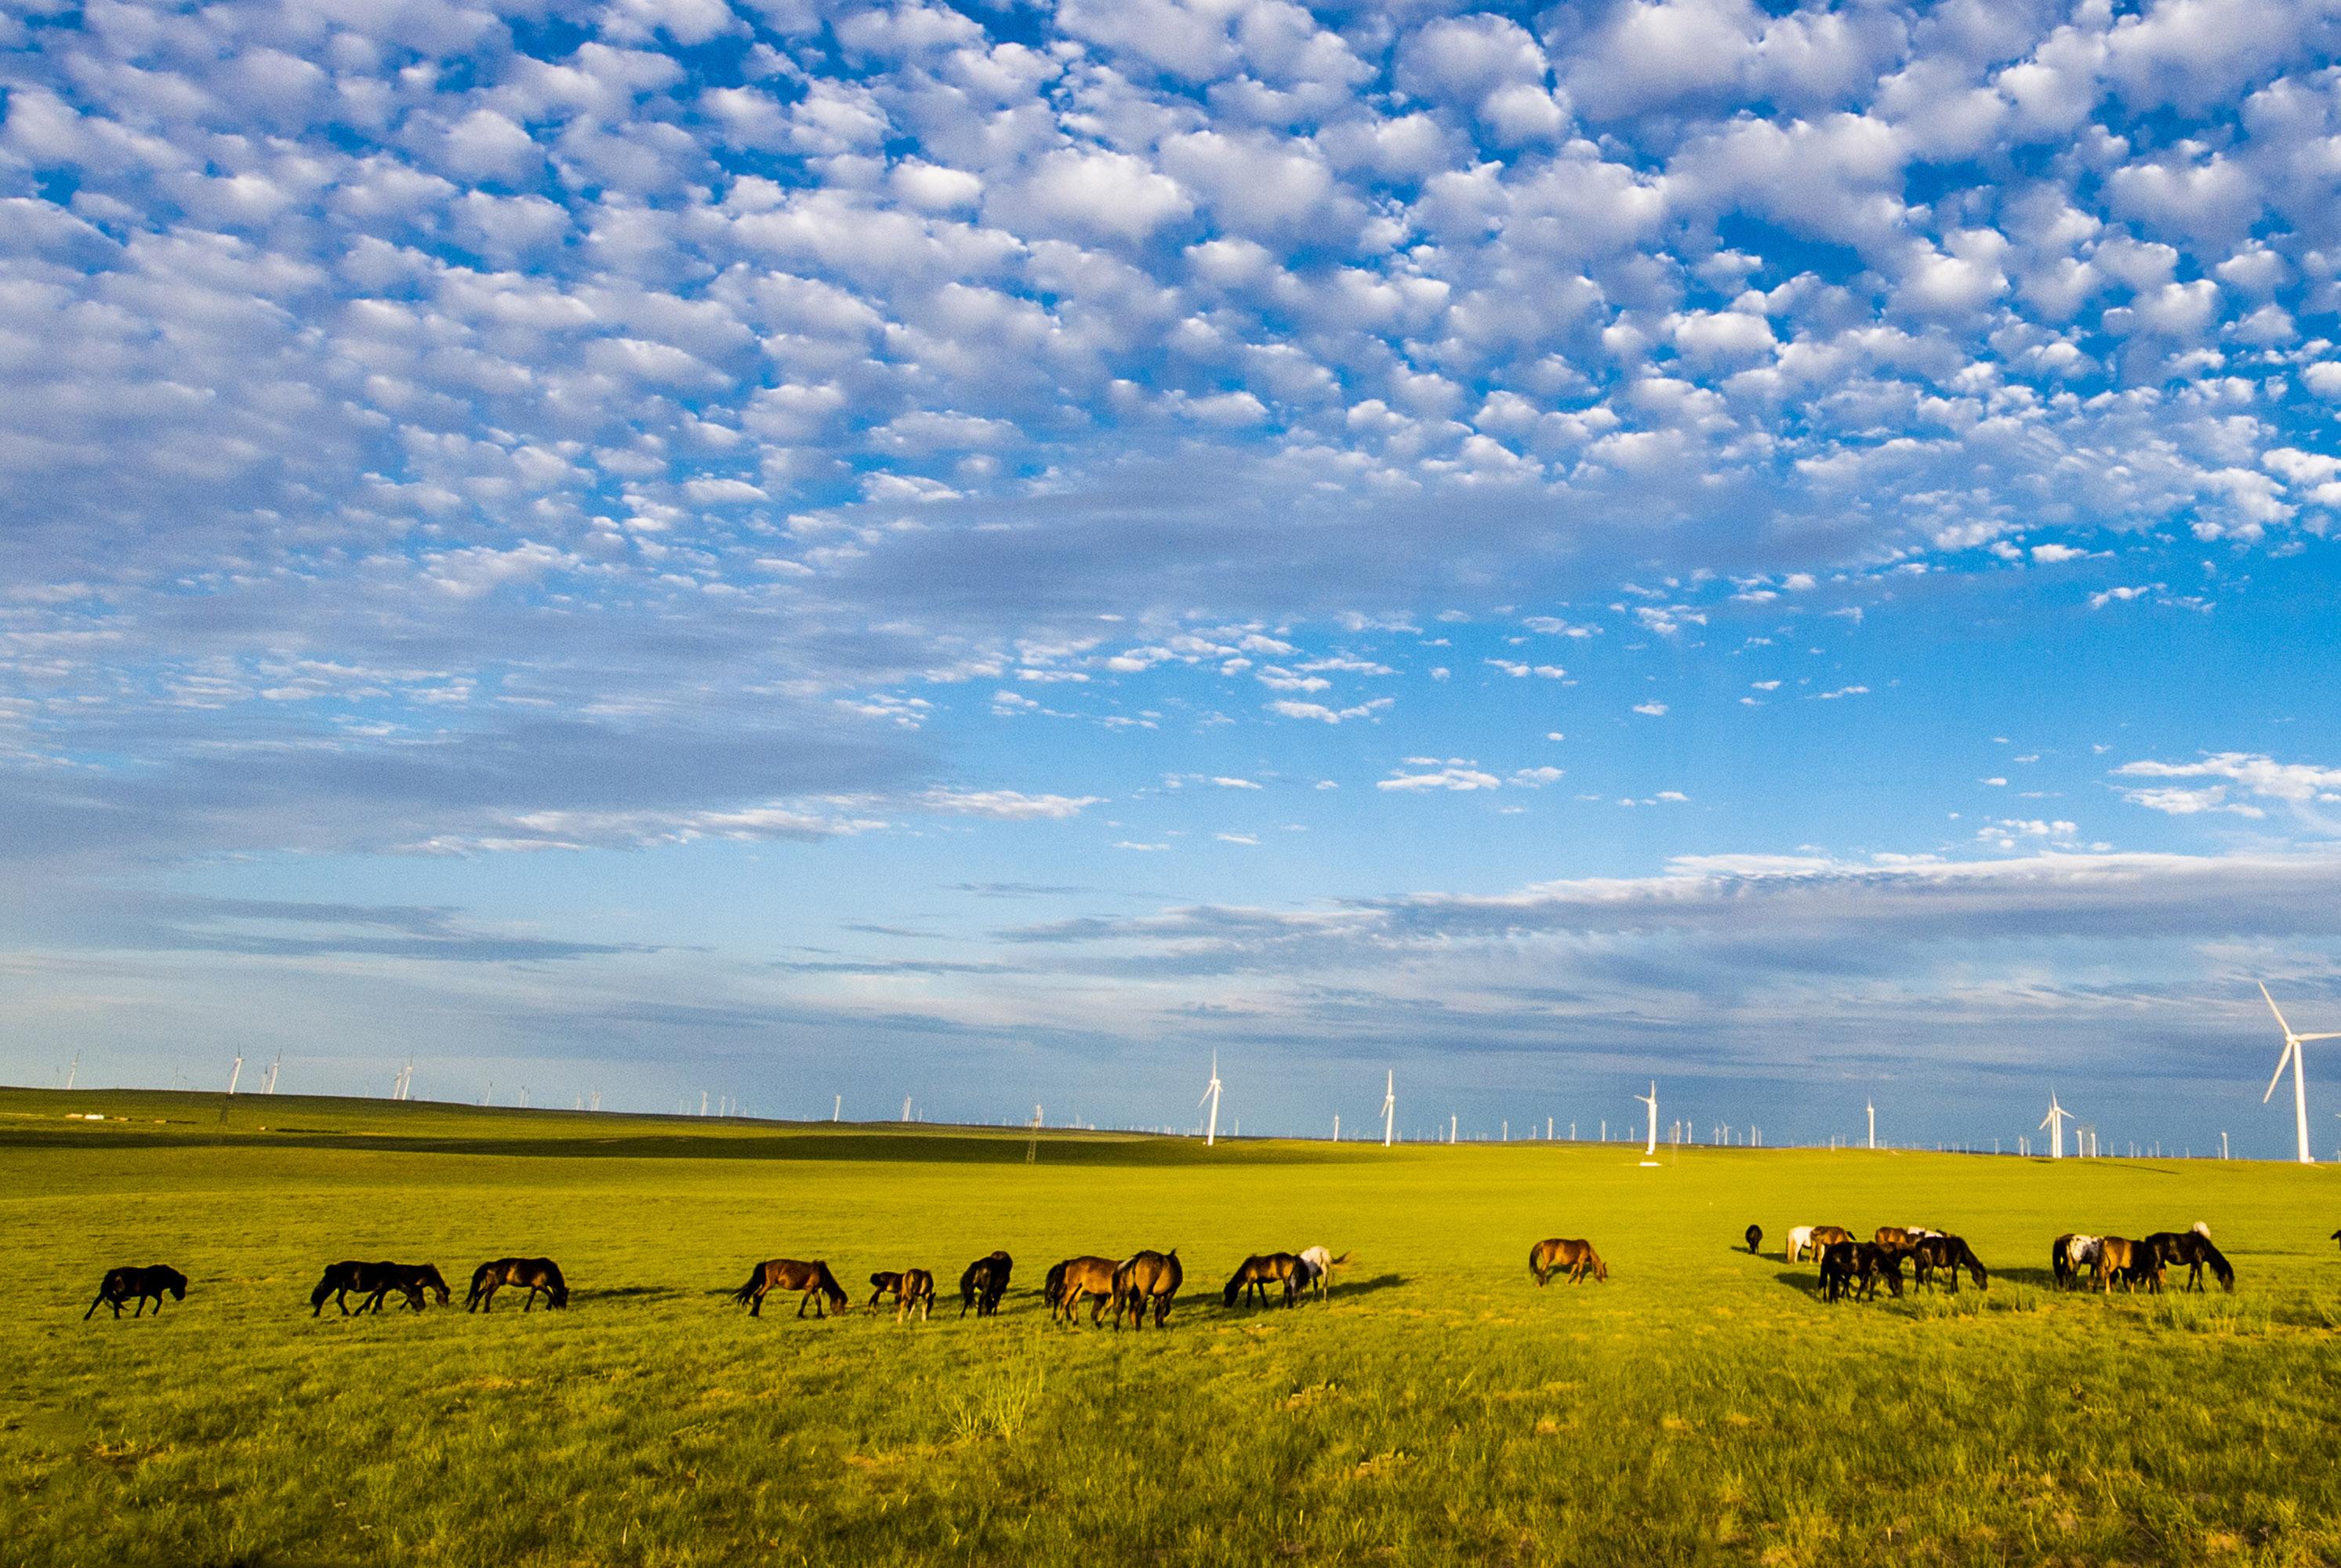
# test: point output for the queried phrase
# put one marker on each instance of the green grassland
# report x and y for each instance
(1702, 1406)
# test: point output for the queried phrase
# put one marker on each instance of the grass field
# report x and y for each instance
(1702, 1406)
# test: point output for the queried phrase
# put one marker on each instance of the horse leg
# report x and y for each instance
(142, 1308)
(756, 1303)
(93, 1307)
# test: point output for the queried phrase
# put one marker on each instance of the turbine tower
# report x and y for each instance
(1871, 1106)
(2054, 1122)
(1389, 1103)
(1650, 1149)
(1211, 1098)
(2291, 1044)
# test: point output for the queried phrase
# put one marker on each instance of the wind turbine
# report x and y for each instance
(1871, 1106)
(1389, 1103)
(1211, 1095)
(1650, 1150)
(2054, 1122)
(2291, 1044)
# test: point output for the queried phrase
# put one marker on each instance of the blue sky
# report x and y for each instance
(988, 553)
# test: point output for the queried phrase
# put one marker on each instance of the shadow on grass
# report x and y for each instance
(630, 1292)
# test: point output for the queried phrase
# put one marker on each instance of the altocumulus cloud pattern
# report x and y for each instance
(433, 429)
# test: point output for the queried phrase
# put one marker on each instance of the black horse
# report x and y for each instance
(1947, 1255)
(1755, 1239)
(375, 1281)
(2194, 1250)
(143, 1284)
(984, 1283)
(536, 1274)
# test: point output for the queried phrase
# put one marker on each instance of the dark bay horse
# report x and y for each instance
(1949, 1255)
(373, 1282)
(534, 1273)
(2193, 1249)
(1872, 1262)
(1083, 1276)
(984, 1283)
(1260, 1271)
(913, 1291)
(813, 1279)
(1147, 1277)
(1755, 1239)
(1575, 1254)
(1837, 1270)
(143, 1284)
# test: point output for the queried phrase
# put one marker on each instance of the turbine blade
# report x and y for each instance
(2281, 1063)
(2331, 1036)
(2272, 1008)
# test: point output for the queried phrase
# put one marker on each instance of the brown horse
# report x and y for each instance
(1078, 1278)
(1561, 1253)
(2194, 1250)
(1824, 1235)
(1895, 1239)
(2137, 1262)
(984, 1283)
(813, 1279)
(1260, 1271)
(1950, 1254)
(536, 1274)
(373, 1282)
(1149, 1276)
(143, 1284)
(915, 1293)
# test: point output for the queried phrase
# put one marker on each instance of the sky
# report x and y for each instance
(820, 554)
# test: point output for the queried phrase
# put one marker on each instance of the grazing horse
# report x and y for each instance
(785, 1274)
(1801, 1242)
(1260, 1271)
(2137, 1262)
(2071, 1255)
(373, 1282)
(2193, 1249)
(1872, 1262)
(1576, 1256)
(1837, 1270)
(1950, 1255)
(536, 1274)
(1320, 1264)
(915, 1292)
(1898, 1239)
(143, 1284)
(1755, 1239)
(984, 1283)
(887, 1284)
(1823, 1235)
(1083, 1276)
(1149, 1276)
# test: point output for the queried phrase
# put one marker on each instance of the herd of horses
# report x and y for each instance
(1146, 1282)
(1142, 1284)
(2079, 1261)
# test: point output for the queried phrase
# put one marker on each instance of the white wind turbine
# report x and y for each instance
(1211, 1097)
(1650, 1149)
(1389, 1103)
(2291, 1044)
(2054, 1122)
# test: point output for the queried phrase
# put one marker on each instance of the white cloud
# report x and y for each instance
(1654, 710)
(1452, 776)
(1323, 714)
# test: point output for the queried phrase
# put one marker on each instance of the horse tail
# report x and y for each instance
(479, 1285)
(755, 1278)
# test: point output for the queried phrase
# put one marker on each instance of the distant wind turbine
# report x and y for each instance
(2054, 1122)
(1650, 1149)
(1389, 1103)
(2291, 1044)
(1211, 1097)
(1871, 1106)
